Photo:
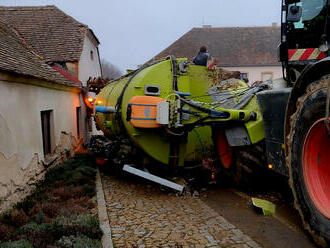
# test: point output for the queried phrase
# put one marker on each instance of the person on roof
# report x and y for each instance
(201, 57)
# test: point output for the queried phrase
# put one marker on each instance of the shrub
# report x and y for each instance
(88, 171)
(77, 242)
(38, 235)
(84, 202)
(26, 204)
(39, 217)
(15, 218)
(80, 224)
(89, 190)
(23, 243)
(77, 178)
(6, 217)
(35, 209)
(51, 209)
(40, 192)
(70, 208)
(5, 232)
(63, 193)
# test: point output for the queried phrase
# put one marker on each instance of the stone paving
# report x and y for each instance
(143, 216)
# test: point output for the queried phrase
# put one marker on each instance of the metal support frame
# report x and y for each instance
(153, 178)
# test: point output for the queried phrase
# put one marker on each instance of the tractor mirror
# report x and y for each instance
(294, 13)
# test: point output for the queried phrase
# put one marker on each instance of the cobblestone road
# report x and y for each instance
(142, 216)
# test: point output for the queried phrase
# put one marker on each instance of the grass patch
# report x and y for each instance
(58, 212)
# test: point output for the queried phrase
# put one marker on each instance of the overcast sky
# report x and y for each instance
(133, 31)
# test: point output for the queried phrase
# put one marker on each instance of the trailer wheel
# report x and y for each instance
(246, 167)
(250, 167)
(309, 162)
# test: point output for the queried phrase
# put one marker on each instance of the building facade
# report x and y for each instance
(40, 116)
(61, 41)
(250, 50)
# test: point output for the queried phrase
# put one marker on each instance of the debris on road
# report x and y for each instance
(153, 178)
(267, 207)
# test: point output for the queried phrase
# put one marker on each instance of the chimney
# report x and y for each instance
(274, 24)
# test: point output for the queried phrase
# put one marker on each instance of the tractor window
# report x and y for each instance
(311, 9)
(308, 31)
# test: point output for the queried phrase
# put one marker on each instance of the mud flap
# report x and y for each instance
(273, 104)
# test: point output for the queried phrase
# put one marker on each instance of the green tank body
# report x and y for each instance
(119, 103)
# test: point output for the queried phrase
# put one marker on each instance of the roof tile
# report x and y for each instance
(16, 57)
(56, 36)
(231, 46)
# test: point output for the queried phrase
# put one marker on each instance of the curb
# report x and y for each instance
(102, 212)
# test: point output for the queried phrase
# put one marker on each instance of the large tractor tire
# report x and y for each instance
(309, 161)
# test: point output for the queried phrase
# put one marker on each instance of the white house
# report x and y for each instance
(39, 116)
(62, 42)
(250, 50)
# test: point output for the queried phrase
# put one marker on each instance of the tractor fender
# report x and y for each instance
(310, 74)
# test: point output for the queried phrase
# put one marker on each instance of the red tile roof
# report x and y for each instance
(231, 46)
(16, 57)
(54, 35)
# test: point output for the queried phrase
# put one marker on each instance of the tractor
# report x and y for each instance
(170, 114)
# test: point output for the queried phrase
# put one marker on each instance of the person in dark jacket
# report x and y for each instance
(201, 57)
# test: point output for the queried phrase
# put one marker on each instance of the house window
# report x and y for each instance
(46, 128)
(92, 55)
(78, 118)
(266, 76)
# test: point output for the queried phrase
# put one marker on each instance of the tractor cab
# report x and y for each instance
(305, 35)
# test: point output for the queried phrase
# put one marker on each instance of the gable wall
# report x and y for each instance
(87, 66)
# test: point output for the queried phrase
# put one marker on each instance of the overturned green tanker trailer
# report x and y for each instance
(176, 113)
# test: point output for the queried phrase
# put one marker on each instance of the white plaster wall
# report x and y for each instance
(20, 120)
(87, 67)
(255, 73)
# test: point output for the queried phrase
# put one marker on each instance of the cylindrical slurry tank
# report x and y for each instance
(137, 93)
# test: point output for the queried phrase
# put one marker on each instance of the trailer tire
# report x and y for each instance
(251, 167)
(248, 167)
(306, 137)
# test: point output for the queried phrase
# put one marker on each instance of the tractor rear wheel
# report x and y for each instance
(309, 161)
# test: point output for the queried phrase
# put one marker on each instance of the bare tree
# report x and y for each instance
(110, 71)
